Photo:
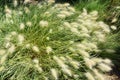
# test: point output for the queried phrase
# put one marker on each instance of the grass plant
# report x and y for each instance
(51, 41)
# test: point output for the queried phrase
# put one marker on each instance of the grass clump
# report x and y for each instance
(52, 41)
(109, 11)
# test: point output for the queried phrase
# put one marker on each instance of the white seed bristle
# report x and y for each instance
(43, 23)
(15, 3)
(35, 48)
(3, 59)
(89, 63)
(104, 67)
(48, 49)
(20, 39)
(2, 51)
(54, 74)
(11, 49)
(22, 26)
(67, 71)
(89, 76)
(29, 23)
(36, 61)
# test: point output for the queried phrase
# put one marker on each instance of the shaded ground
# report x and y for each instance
(114, 74)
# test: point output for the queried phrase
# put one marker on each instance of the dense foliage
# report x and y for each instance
(51, 41)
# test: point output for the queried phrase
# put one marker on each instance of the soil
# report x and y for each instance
(114, 74)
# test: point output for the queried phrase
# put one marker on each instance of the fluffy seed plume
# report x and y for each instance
(22, 26)
(54, 74)
(89, 76)
(43, 23)
(27, 1)
(26, 9)
(84, 53)
(11, 49)
(60, 62)
(51, 1)
(35, 48)
(14, 33)
(67, 71)
(3, 59)
(98, 75)
(67, 24)
(113, 27)
(15, 3)
(48, 49)
(20, 39)
(107, 61)
(1, 68)
(89, 63)
(36, 61)
(104, 67)
(38, 68)
(29, 24)
(62, 16)
(2, 51)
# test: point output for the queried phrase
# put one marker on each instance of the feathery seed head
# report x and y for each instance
(84, 53)
(11, 49)
(29, 24)
(104, 67)
(27, 45)
(54, 73)
(107, 61)
(20, 39)
(98, 75)
(43, 23)
(35, 48)
(62, 16)
(48, 49)
(51, 1)
(60, 62)
(67, 24)
(22, 26)
(89, 76)
(67, 71)
(114, 20)
(66, 4)
(89, 63)
(26, 9)
(15, 3)
(36, 61)
(2, 51)
(7, 10)
(14, 33)
(39, 68)
(3, 59)
(113, 27)
(2, 68)
(27, 1)
(94, 13)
